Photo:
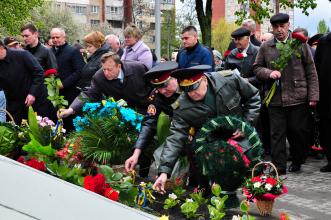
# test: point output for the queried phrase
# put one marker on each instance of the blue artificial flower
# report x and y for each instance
(80, 123)
(108, 109)
(132, 117)
(91, 108)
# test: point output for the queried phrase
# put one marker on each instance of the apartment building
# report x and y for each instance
(227, 8)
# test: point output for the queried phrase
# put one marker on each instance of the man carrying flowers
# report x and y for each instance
(286, 67)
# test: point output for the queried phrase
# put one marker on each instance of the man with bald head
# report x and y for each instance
(70, 63)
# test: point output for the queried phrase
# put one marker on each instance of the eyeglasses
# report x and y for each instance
(191, 88)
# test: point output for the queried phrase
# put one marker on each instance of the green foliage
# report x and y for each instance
(53, 85)
(66, 172)
(261, 9)
(34, 147)
(163, 125)
(14, 13)
(197, 197)
(322, 28)
(169, 41)
(8, 138)
(221, 35)
(286, 51)
(104, 141)
(49, 16)
(170, 202)
(189, 208)
(179, 190)
(216, 211)
(121, 183)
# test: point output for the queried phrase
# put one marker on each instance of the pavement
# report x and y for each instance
(308, 197)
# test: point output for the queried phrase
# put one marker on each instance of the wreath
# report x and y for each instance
(223, 160)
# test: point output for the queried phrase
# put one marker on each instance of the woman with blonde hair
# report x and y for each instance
(96, 47)
(135, 49)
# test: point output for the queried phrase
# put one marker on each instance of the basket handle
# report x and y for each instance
(10, 116)
(266, 163)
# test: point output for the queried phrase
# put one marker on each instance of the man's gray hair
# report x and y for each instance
(58, 29)
(114, 37)
(250, 24)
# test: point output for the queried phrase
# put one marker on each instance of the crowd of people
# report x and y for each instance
(196, 85)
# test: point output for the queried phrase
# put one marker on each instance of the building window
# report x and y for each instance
(115, 24)
(78, 9)
(94, 9)
(152, 25)
(95, 22)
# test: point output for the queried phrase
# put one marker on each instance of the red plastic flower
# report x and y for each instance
(21, 160)
(111, 194)
(239, 56)
(271, 181)
(256, 179)
(34, 163)
(178, 181)
(96, 184)
(299, 36)
(50, 72)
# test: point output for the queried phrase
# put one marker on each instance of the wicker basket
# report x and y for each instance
(265, 206)
(9, 115)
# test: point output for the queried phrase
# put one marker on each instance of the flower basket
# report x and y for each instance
(8, 114)
(265, 201)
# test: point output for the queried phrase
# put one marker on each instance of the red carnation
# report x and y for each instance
(299, 36)
(271, 181)
(89, 183)
(239, 56)
(111, 194)
(50, 72)
(226, 53)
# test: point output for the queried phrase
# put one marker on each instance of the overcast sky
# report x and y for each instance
(322, 11)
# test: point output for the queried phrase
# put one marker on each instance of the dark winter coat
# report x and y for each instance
(298, 82)
(92, 66)
(44, 55)
(323, 67)
(21, 75)
(70, 64)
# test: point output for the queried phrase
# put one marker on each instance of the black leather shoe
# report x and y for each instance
(326, 168)
(294, 168)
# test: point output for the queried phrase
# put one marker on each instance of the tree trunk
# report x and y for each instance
(204, 18)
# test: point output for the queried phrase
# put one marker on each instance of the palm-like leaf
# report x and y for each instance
(105, 141)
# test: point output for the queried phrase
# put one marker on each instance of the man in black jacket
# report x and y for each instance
(70, 64)
(323, 67)
(45, 56)
(21, 78)
(120, 80)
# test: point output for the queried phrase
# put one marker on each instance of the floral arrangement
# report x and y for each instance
(107, 131)
(215, 148)
(33, 162)
(286, 51)
(53, 84)
(264, 187)
(241, 55)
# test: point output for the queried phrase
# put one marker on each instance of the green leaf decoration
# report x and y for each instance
(244, 206)
(36, 131)
(8, 139)
(216, 189)
(35, 148)
(163, 125)
(107, 171)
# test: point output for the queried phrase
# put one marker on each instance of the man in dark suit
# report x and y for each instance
(323, 67)
(118, 79)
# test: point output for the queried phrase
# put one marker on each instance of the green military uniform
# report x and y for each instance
(226, 95)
